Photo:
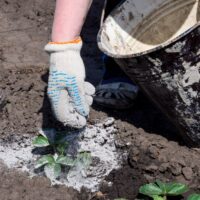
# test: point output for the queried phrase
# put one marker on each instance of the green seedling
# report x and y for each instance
(52, 164)
(194, 197)
(120, 199)
(57, 143)
(160, 190)
(41, 141)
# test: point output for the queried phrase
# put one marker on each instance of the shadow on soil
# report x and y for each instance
(145, 115)
(142, 115)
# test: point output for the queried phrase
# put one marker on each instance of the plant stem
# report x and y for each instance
(165, 197)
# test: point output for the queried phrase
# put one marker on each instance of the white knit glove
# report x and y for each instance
(69, 94)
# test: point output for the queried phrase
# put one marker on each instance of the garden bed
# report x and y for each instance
(149, 146)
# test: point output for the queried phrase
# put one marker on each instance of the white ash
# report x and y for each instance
(97, 139)
(16, 154)
(109, 122)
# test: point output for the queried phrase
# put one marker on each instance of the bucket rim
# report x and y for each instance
(134, 55)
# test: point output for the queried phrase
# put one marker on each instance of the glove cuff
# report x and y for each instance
(74, 45)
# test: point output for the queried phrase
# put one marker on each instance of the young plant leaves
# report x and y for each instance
(194, 197)
(64, 160)
(162, 186)
(52, 170)
(156, 197)
(120, 199)
(150, 190)
(47, 159)
(61, 148)
(41, 141)
(174, 189)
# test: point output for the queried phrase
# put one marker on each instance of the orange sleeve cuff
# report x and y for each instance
(76, 41)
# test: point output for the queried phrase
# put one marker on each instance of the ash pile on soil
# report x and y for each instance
(97, 139)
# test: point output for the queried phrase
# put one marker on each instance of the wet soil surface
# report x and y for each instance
(155, 149)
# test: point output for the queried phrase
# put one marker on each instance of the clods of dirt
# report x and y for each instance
(16, 186)
(25, 109)
(151, 157)
(154, 150)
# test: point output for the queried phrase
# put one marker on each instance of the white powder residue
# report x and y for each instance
(97, 139)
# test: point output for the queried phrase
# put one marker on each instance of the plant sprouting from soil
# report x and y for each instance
(160, 190)
(55, 141)
(120, 199)
(194, 197)
(53, 163)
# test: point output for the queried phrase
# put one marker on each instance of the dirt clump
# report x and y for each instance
(151, 158)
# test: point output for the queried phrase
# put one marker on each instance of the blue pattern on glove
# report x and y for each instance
(59, 81)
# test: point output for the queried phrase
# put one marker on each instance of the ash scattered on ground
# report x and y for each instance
(99, 139)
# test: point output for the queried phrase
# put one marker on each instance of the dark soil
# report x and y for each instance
(156, 151)
(16, 186)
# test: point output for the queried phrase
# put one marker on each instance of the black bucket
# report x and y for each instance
(166, 63)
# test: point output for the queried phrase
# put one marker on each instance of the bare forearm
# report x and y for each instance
(69, 18)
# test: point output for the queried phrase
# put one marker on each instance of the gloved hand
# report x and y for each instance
(69, 94)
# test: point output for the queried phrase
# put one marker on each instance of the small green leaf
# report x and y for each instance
(84, 158)
(42, 132)
(150, 190)
(120, 199)
(175, 189)
(162, 186)
(61, 148)
(194, 197)
(52, 170)
(64, 160)
(41, 141)
(156, 197)
(47, 159)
